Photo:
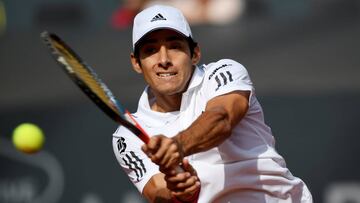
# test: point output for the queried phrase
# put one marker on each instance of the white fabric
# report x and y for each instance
(156, 17)
(245, 168)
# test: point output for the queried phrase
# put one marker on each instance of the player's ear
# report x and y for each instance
(196, 55)
(135, 63)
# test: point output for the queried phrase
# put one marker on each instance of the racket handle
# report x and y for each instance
(179, 169)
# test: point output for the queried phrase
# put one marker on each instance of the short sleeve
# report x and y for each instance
(225, 76)
(135, 163)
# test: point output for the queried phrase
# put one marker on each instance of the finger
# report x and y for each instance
(190, 190)
(173, 181)
(162, 154)
(168, 155)
(145, 149)
(188, 167)
(168, 171)
(179, 177)
(153, 147)
(182, 185)
(162, 150)
(153, 143)
(188, 183)
(172, 158)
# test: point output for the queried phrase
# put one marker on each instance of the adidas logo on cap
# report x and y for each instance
(158, 17)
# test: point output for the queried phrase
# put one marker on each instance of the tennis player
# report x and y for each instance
(203, 117)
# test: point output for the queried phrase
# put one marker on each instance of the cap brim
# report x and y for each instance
(155, 29)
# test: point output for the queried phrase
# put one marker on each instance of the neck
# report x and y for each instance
(165, 103)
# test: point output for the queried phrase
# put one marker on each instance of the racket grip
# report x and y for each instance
(179, 169)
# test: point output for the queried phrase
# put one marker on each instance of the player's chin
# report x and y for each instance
(172, 92)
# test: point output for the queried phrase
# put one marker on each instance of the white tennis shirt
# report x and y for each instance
(244, 168)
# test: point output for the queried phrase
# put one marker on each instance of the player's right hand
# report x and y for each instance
(184, 186)
(166, 152)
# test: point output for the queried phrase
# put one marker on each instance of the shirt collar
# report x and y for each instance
(197, 77)
(144, 106)
(152, 118)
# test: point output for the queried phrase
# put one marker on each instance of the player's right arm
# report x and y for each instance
(146, 176)
(155, 189)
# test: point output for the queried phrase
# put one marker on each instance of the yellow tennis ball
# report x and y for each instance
(28, 138)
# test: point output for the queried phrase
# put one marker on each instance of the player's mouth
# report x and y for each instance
(165, 75)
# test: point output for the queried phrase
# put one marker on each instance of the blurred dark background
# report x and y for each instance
(303, 57)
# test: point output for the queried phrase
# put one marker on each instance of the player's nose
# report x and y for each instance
(164, 59)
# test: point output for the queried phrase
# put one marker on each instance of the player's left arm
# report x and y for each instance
(215, 124)
(209, 130)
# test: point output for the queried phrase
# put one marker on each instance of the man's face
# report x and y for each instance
(165, 62)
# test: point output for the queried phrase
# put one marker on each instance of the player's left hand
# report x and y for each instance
(165, 152)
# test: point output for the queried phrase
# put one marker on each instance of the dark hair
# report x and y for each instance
(190, 41)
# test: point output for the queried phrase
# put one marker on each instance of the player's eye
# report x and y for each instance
(148, 50)
(176, 45)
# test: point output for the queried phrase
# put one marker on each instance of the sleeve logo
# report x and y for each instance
(121, 145)
(130, 159)
(218, 68)
(223, 79)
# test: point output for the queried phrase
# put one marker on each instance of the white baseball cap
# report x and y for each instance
(159, 17)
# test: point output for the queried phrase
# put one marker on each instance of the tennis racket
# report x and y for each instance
(88, 81)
